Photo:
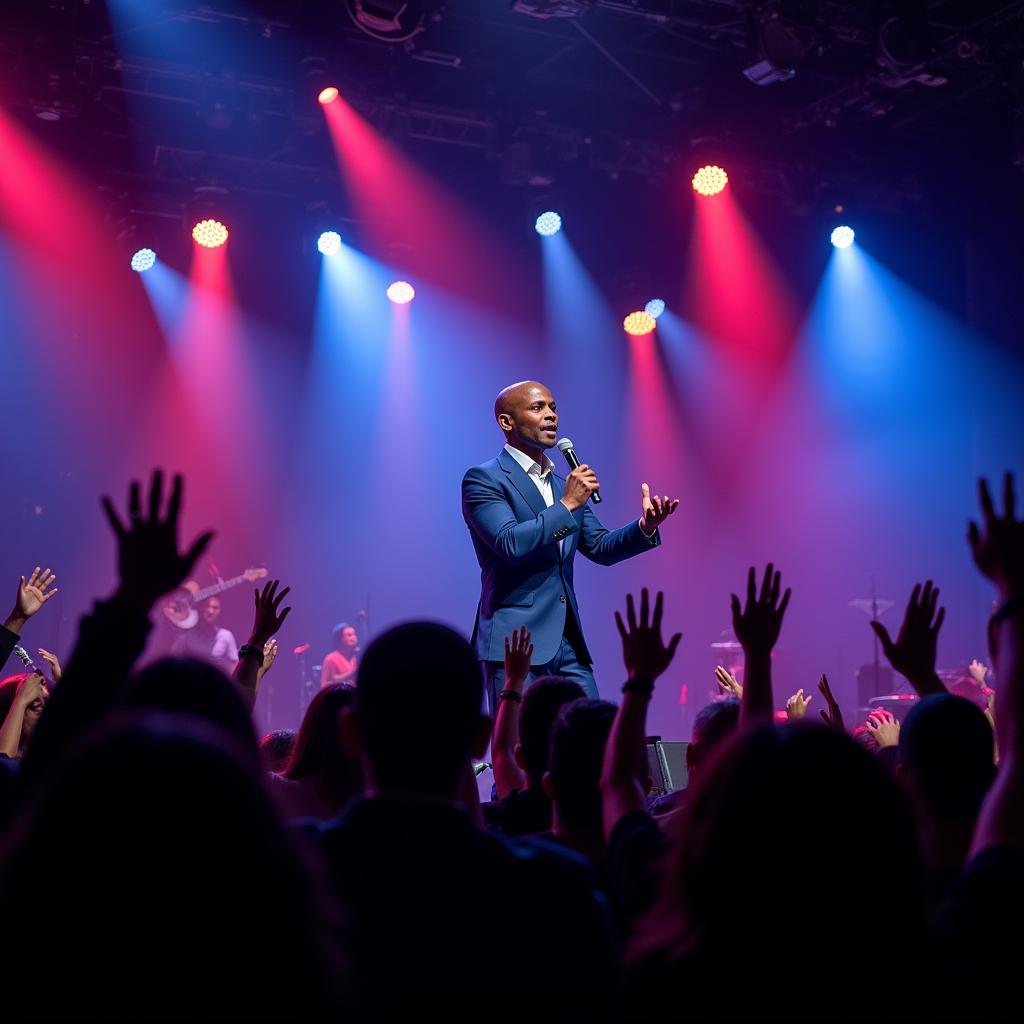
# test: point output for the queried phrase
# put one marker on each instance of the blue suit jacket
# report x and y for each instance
(523, 579)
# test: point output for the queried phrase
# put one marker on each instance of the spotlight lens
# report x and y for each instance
(329, 243)
(710, 180)
(401, 292)
(142, 260)
(655, 308)
(328, 95)
(548, 223)
(639, 323)
(842, 237)
(210, 233)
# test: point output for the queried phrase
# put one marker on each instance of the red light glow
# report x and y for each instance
(210, 233)
(710, 180)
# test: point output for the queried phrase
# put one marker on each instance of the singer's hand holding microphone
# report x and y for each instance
(580, 485)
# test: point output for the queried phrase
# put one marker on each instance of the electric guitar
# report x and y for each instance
(179, 606)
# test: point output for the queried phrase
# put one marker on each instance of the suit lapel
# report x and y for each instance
(521, 482)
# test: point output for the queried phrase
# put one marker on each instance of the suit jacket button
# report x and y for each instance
(561, 597)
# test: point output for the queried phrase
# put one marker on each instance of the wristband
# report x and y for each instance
(638, 685)
(1008, 609)
(253, 651)
(511, 695)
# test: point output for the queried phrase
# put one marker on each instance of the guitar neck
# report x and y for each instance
(217, 588)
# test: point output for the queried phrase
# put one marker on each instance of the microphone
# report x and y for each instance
(564, 445)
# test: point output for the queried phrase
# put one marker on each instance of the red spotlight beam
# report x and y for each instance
(444, 245)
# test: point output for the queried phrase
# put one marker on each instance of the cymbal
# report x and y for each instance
(728, 645)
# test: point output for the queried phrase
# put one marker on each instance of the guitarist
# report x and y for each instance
(208, 640)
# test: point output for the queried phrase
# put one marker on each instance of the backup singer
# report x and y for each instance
(527, 523)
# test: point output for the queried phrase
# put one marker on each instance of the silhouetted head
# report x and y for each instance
(715, 723)
(785, 847)
(162, 876)
(946, 756)
(276, 748)
(189, 686)
(543, 699)
(528, 415)
(578, 739)
(319, 751)
(417, 714)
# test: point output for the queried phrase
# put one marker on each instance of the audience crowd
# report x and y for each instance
(157, 860)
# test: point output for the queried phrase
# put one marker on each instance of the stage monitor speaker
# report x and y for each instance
(666, 765)
(872, 683)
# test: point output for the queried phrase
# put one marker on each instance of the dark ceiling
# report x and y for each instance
(886, 95)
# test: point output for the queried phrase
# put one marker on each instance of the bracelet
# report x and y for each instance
(253, 650)
(638, 685)
(1008, 609)
(511, 695)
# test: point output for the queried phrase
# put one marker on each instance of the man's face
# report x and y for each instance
(349, 639)
(211, 610)
(531, 416)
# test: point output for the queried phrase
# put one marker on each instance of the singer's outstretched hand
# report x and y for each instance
(655, 510)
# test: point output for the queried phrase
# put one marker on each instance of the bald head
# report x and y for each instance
(508, 398)
(527, 414)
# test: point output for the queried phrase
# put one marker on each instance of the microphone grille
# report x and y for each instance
(563, 444)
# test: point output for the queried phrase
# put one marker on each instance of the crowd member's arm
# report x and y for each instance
(998, 549)
(29, 599)
(29, 689)
(884, 727)
(507, 773)
(913, 653)
(728, 683)
(831, 715)
(269, 657)
(646, 657)
(796, 706)
(757, 627)
(53, 661)
(111, 639)
(267, 620)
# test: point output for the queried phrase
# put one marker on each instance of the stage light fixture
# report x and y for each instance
(401, 292)
(655, 308)
(210, 234)
(639, 323)
(548, 223)
(327, 95)
(143, 260)
(842, 237)
(709, 180)
(328, 243)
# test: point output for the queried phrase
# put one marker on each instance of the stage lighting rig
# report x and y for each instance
(207, 216)
(779, 47)
(391, 21)
(552, 8)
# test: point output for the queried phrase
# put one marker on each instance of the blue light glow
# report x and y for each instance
(329, 243)
(548, 223)
(143, 260)
(842, 237)
(655, 308)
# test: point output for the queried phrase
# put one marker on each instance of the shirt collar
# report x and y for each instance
(524, 460)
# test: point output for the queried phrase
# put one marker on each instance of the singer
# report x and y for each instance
(527, 523)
